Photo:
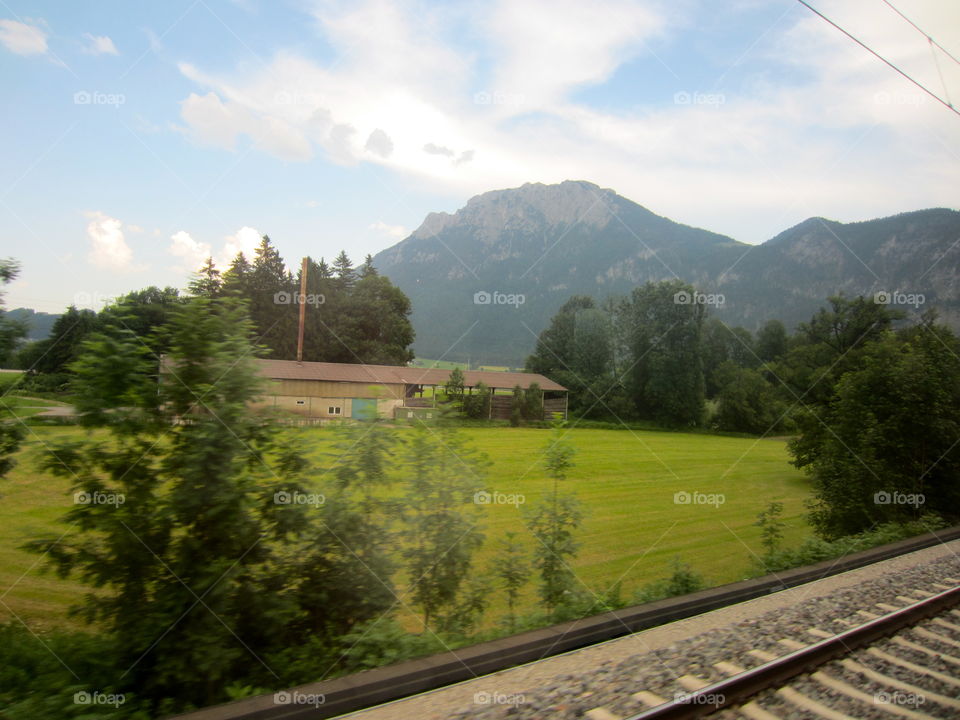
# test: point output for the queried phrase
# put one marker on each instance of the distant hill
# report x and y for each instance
(40, 324)
(486, 279)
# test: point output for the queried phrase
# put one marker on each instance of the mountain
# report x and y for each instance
(486, 280)
(39, 324)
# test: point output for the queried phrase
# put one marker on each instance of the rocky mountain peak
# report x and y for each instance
(531, 207)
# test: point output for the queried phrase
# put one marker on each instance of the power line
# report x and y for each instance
(880, 57)
(926, 35)
(933, 43)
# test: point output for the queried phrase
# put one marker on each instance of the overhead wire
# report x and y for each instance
(945, 103)
(933, 44)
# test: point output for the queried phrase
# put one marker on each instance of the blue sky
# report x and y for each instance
(139, 137)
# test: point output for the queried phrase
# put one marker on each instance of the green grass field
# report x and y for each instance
(627, 481)
(441, 364)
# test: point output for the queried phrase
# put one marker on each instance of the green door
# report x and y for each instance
(364, 408)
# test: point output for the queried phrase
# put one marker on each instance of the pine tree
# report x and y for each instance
(236, 279)
(168, 512)
(344, 272)
(367, 269)
(207, 281)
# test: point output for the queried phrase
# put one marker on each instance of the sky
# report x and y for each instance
(139, 138)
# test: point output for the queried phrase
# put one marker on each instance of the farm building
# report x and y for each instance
(343, 390)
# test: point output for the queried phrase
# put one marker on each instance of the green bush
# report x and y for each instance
(815, 549)
(39, 677)
(682, 580)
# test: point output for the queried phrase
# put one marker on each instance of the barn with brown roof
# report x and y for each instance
(342, 390)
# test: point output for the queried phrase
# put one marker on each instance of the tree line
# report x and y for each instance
(873, 404)
(353, 315)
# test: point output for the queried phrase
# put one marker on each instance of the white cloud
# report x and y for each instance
(395, 231)
(191, 253)
(245, 240)
(134, 228)
(823, 138)
(548, 47)
(210, 121)
(99, 45)
(23, 39)
(108, 248)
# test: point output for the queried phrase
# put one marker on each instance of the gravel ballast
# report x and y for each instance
(606, 675)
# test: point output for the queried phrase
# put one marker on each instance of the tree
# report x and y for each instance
(146, 313)
(207, 281)
(343, 271)
(512, 570)
(11, 331)
(367, 269)
(771, 341)
(54, 354)
(454, 387)
(887, 451)
(178, 521)
(516, 407)
(373, 322)
(11, 433)
(667, 378)
(476, 405)
(345, 562)
(576, 350)
(746, 402)
(721, 344)
(440, 538)
(533, 402)
(553, 522)
(771, 527)
(270, 291)
(236, 280)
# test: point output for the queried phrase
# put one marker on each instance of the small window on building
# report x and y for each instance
(301, 402)
(333, 410)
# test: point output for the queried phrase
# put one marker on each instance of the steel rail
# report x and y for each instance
(736, 689)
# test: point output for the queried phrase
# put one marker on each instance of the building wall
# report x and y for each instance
(326, 389)
(320, 399)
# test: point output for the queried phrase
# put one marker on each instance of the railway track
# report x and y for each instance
(416, 677)
(889, 661)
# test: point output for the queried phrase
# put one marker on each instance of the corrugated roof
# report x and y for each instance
(349, 372)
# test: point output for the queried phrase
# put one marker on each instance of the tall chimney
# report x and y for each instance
(303, 309)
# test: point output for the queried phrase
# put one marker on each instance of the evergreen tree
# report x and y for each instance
(177, 520)
(343, 271)
(207, 281)
(236, 280)
(367, 269)
(273, 301)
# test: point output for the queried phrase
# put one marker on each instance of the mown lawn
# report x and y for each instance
(627, 481)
